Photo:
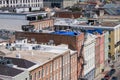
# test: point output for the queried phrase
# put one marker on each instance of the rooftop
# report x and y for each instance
(22, 63)
(9, 71)
(24, 13)
(12, 24)
(104, 23)
(68, 33)
(45, 54)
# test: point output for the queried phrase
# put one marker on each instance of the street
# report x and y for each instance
(117, 67)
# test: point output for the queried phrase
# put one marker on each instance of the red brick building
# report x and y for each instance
(73, 42)
(100, 54)
(52, 63)
(43, 24)
(68, 14)
(62, 67)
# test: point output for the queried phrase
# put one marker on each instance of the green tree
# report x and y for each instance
(40, 17)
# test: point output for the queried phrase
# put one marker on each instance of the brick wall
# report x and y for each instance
(74, 67)
(68, 14)
(58, 68)
(74, 42)
(42, 24)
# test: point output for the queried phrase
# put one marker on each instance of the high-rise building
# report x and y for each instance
(22, 3)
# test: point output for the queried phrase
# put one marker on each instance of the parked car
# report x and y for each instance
(103, 79)
(107, 76)
(114, 78)
(112, 71)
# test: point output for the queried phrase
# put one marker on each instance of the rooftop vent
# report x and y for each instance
(18, 55)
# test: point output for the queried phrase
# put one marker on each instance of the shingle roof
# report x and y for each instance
(9, 71)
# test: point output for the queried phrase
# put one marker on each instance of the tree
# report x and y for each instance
(40, 17)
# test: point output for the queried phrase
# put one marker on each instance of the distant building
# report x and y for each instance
(59, 4)
(14, 21)
(68, 14)
(31, 4)
(112, 9)
(45, 24)
(111, 25)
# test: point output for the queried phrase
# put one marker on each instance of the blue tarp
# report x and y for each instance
(100, 31)
(65, 33)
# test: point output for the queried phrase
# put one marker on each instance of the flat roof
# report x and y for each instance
(103, 24)
(68, 33)
(38, 57)
(9, 71)
(21, 63)
(24, 13)
(45, 54)
(12, 24)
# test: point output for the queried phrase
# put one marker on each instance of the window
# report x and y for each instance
(109, 39)
(35, 76)
(50, 77)
(43, 73)
(109, 32)
(109, 47)
(30, 77)
(50, 67)
(39, 74)
(46, 70)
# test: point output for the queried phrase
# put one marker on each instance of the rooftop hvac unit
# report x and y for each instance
(28, 28)
(4, 61)
(51, 42)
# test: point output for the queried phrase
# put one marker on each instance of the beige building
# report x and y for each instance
(21, 3)
(43, 24)
(52, 62)
(60, 3)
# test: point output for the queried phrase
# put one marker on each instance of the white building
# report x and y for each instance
(14, 21)
(89, 56)
(32, 4)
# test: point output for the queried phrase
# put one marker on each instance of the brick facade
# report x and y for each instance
(74, 67)
(42, 24)
(99, 54)
(74, 42)
(57, 69)
(68, 14)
